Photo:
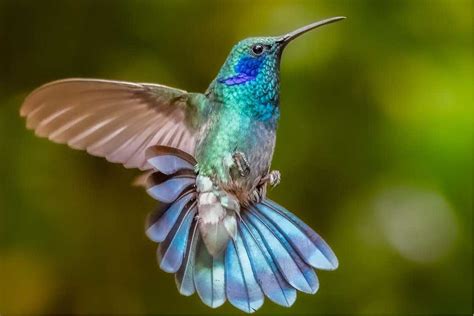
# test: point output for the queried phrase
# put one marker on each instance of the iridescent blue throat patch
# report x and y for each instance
(247, 69)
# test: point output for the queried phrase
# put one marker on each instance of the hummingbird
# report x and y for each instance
(206, 158)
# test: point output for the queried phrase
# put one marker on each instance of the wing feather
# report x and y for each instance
(113, 119)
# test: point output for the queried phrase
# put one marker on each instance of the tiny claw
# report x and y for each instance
(256, 196)
(273, 178)
(241, 162)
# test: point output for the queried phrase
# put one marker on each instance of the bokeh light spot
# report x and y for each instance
(418, 223)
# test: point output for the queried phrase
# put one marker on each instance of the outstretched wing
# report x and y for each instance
(113, 119)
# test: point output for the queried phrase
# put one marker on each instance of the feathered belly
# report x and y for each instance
(216, 157)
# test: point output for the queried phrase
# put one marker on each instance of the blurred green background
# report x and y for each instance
(375, 150)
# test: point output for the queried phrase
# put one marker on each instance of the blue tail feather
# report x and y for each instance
(169, 164)
(167, 188)
(300, 275)
(322, 246)
(209, 278)
(241, 286)
(272, 282)
(169, 160)
(309, 251)
(158, 229)
(171, 250)
(185, 275)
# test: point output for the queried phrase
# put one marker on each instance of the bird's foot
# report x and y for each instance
(241, 163)
(273, 178)
(258, 194)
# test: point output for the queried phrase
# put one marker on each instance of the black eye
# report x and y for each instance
(257, 49)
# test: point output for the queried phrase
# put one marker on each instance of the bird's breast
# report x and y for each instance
(224, 136)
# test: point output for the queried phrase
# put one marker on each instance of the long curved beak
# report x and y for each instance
(285, 39)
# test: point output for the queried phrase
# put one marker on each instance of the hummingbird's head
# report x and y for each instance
(250, 74)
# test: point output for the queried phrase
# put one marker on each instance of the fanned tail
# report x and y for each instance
(273, 254)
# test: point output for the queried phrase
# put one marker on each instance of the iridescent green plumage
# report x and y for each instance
(245, 102)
